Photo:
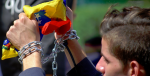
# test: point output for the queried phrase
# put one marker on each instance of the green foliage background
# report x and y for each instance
(91, 12)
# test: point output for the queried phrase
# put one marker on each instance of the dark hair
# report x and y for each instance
(128, 35)
(129, 43)
(128, 16)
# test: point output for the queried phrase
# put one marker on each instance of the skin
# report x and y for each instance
(73, 45)
(26, 30)
(109, 65)
(23, 31)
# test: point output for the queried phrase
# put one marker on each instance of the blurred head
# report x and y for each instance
(125, 43)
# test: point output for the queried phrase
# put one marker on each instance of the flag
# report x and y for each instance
(51, 16)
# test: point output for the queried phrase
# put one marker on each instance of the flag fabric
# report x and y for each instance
(51, 16)
(8, 50)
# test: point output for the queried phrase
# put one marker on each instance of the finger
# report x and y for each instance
(9, 32)
(16, 22)
(69, 12)
(68, 9)
(22, 17)
(33, 17)
(11, 28)
(34, 20)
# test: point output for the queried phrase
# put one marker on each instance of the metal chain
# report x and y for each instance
(54, 63)
(59, 47)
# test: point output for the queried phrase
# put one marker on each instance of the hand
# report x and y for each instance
(23, 31)
(69, 14)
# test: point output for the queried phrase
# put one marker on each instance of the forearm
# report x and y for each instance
(33, 60)
(32, 55)
(77, 52)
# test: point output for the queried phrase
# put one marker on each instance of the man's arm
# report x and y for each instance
(76, 51)
(23, 32)
(84, 67)
(75, 48)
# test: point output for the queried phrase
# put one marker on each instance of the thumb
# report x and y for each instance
(69, 13)
(33, 19)
(24, 18)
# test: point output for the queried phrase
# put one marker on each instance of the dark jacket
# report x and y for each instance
(84, 68)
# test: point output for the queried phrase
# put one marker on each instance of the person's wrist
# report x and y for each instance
(27, 42)
(30, 48)
(33, 60)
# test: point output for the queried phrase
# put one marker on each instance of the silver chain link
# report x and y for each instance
(59, 44)
(59, 47)
(54, 63)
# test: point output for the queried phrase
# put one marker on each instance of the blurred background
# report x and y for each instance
(88, 15)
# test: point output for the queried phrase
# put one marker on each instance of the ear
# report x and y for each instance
(136, 69)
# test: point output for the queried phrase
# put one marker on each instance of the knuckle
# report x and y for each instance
(11, 28)
(10, 31)
(15, 22)
(8, 34)
(22, 19)
(22, 15)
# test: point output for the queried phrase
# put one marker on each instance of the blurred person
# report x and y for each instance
(92, 49)
(125, 45)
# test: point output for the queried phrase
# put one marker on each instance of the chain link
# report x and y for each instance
(59, 47)
(54, 64)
